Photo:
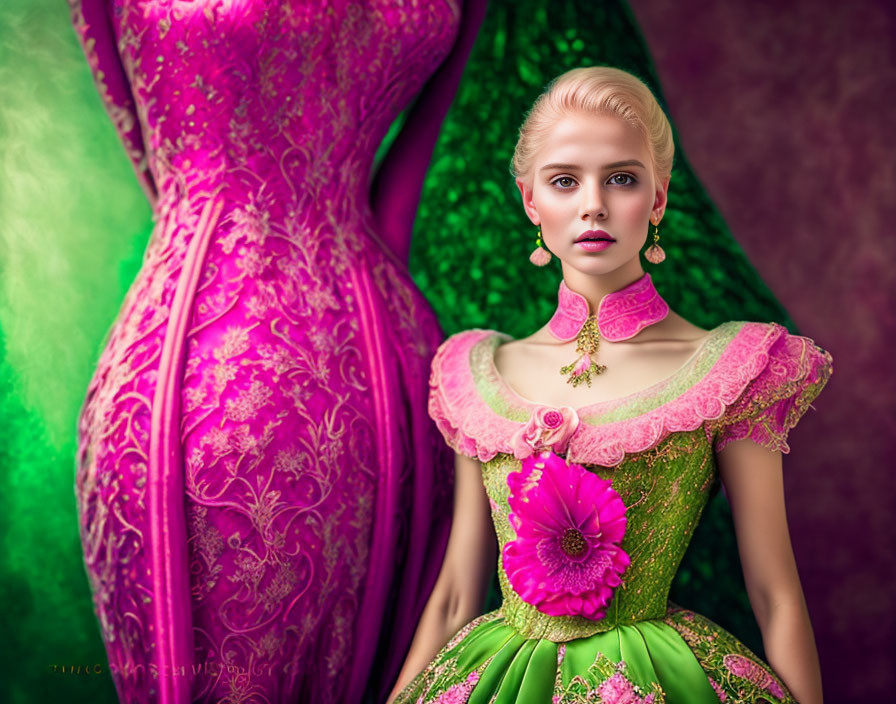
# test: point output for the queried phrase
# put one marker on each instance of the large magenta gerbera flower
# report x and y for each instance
(566, 559)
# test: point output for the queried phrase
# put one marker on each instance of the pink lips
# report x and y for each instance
(589, 242)
(593, 235)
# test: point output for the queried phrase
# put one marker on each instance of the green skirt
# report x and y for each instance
(682, 658)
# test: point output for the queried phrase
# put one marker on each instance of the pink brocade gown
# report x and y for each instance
(263, 501)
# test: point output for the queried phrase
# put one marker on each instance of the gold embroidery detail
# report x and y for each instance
(587, 344)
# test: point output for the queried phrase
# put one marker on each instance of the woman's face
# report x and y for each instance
(593, 178)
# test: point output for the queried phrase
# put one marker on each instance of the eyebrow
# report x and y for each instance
(614, 165)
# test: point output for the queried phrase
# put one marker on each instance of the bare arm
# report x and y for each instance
(395, 192)
(753, 481)
(462, 585)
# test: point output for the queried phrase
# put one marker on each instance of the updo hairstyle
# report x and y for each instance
(598, 90)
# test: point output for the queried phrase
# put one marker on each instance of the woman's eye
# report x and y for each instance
(564, 182)
(620, 180)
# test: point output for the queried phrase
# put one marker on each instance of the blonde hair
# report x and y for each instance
(596, 90)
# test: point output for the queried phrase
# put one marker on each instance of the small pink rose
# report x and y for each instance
(553, 419)
(548, 428)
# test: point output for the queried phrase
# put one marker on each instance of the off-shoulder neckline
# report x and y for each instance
(592, 409)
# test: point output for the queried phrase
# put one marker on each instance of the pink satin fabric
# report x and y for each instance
(263, 502)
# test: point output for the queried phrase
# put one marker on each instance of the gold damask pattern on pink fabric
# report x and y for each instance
(258, 484)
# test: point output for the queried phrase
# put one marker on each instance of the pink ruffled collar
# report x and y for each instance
(620, 315)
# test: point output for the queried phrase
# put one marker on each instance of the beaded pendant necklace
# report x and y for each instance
(620, 315)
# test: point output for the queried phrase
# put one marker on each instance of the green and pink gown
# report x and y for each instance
(654, 454)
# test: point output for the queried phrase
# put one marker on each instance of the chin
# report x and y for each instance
(594, 268)
(599, 263)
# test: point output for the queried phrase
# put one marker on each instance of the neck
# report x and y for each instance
(594, 288)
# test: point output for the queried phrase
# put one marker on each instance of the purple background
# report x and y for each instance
(786, 111)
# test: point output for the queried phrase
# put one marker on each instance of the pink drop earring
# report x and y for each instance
(540, 255)
(654, 253)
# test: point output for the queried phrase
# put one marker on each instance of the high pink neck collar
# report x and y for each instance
(620, 315)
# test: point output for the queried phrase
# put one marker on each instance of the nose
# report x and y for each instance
(593, 206)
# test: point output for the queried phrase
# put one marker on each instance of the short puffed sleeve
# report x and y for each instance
(456, 403)
(777, 397)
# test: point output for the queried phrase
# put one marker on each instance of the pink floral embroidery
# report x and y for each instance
(749, 670)
(566, 559)
(561, 653)
(547, 428)
(459, 693)
(720, 693)
(621, 690)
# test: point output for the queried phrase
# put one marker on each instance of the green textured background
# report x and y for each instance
(74, 223)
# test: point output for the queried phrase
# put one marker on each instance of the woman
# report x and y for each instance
(591, 446)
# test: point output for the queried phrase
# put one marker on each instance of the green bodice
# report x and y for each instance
(664, 490)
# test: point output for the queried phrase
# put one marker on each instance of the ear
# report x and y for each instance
(528, 205)
(659, 201)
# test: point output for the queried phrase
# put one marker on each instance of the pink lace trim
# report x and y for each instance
(784, 374)
(796, 373)
(469, 426)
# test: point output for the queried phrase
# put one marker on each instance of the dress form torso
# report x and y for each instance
(255, 429)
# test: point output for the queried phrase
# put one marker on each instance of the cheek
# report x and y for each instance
(554, 209)
(635, 209)
(556, 206)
